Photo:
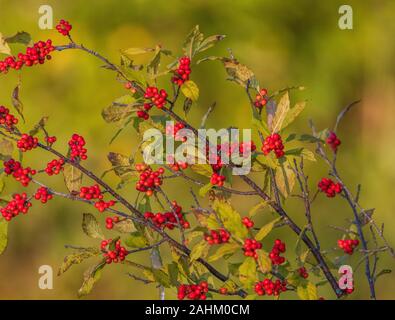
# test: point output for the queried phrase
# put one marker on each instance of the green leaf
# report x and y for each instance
(202, 169)
(136, 240)
(206, 188)
(91, 276)
(293, 113)
(6, 149)
(91, 227)
(281, 112)
(247, 272)
(172, 269)
(21, 37)
(285, 178)
(308, 292)
(381, 273)
(264, 262)
(3, 235)
(200, 250)
(77, 257)
(265, 230)
(230, 218)
(4, 47)
(161, 277)
(190, 90)
(304, 153)
(210, 42)
(72, 177)
(223, 250)
(265, 161)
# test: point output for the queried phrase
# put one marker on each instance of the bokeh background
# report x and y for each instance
(285, 42)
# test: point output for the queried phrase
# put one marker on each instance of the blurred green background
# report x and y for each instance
(285, 42)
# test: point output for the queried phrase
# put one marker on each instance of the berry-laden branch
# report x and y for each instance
(220, 232)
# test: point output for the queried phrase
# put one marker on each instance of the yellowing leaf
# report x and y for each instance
(210, 42)
(265, 230)
(6, 149)
(264, 262)
(206, 188)
(91, 227)
(308, 292)
(77, 257)
(265, 162)
(203, 169)
(200, 250)
(255, 209)
(120, 109)
(247, 272)
(285, 178)
(72, 177)
(281, 113)
(293, 113)
(190, 90)
(260, 126)
(223, 250)
(230, 218)
(131, 52)
(3, 235)
(4, 47)
(91, 276)
(136, 240)
(124, 226)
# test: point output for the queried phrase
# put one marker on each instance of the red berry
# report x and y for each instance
(43, 195)
(64, 27)
(329, 187)
(181, 74)
(18, 204)
(275, 144)
(333, 141)
(77, 149)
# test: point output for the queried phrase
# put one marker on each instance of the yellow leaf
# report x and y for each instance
(264, 262)
(4, 47)
(91, 276)
(72, 177)
(206, 188)
(230, 218)
(265, 230)
(91, 227)
(293, 113)
(190, 90)
(224, 250)
(200, 250)
(202, 169)
(308, 292)
(3, 235)
(281, 113)
(77, 257)
(255, 209)
(285, 179)
(247, 272)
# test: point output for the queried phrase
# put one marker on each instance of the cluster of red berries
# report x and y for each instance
(129, 86)
(94, 192)
(118, 254)
(217, 237)
(168, 219)
(77, 150)
(172, 130)
(178, 166)
(333, 141)
(183, 71)
(247, 222)
(54, 167)
(329, 187)
(156, 96)
(23, 175)
(278, 248)
(193, 291)
(247, 147)
(18, 204)
(27, 142)
(270, 287)
(110, 222)
(142, 114)
(273, 143)
(217, 179)
(348, 245)
(250, 246)
(50, 140)
(149, 179)
(43, 195)
(261, 99)
(6, 118)
(64, 27)
(303, 272)
(34, 55)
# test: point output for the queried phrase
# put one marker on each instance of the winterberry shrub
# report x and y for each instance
(202, 238)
